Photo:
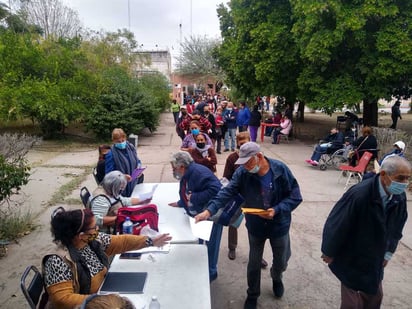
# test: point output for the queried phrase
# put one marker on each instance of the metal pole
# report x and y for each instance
(191, 17)
(128, 12)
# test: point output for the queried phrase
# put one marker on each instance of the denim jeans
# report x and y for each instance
(213, 246)
(281, 253)
(230, 134)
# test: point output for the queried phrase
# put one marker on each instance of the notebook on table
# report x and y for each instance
(124, 283)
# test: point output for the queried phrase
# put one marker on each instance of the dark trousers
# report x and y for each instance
(394, 122)
(281, 253)
(232, 238)
(351, 299)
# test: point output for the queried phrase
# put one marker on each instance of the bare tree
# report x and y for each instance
(56, 19)
(197, 57)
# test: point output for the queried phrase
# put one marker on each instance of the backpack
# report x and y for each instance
(140, 216)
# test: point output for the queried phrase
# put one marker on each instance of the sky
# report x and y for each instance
(153, 22)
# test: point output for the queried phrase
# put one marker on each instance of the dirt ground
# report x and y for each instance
(308, 282)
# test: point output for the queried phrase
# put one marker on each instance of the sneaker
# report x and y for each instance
(232, 254)
(315, 163)
(250, 303)
(309, 161)
(219, 152)
(226, 150)
(278, 289)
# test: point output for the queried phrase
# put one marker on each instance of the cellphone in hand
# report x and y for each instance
(130, 255)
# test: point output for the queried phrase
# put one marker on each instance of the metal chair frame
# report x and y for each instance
(85, 196)
(355, 173)
(33, 291)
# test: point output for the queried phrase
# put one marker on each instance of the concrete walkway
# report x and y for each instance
(308, 281)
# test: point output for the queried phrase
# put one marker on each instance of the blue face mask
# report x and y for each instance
(195, 131)
(120, 145)
(254, 170)
(397, 187)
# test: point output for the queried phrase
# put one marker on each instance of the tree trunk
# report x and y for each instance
(301, 112)
(370, 112)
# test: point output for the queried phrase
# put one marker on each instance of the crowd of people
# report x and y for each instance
(73, 275)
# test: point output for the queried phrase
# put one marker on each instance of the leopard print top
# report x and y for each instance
(57, 271)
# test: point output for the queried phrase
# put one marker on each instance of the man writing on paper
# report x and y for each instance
(266, 184)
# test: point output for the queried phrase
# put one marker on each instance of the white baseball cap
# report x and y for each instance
(400, 144)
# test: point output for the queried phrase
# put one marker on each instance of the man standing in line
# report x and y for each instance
(396, 113)
(362, 233)
(268, 185)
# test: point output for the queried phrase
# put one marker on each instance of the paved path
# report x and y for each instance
(308, 282)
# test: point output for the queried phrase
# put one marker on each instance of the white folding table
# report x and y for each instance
(179, 279)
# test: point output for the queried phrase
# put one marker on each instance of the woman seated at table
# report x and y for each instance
(107, 199)
(71, 275)
(204, 154)
(285, 128)
(190, 139)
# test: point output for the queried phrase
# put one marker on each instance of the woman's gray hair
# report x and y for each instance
(181, 158)
(114, 182)
(392, 164)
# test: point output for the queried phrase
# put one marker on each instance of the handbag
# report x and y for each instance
(141, 216)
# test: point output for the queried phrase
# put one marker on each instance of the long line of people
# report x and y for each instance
(266, 185)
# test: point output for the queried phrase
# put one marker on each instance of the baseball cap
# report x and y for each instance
(246, 151)
(183, 107)
(400, 144)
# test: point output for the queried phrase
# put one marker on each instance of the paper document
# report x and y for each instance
(137, 172)
(202, 229)
(255, 211)
(153, 249)
(147, 195)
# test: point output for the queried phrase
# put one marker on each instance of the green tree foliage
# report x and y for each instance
(353, 51)
(258, 53)
(327, 53)
(122, 104)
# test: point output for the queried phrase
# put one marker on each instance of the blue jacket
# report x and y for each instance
(286, 197)
(358, 232)
(243, 117)
(229, 117)
(202, 184)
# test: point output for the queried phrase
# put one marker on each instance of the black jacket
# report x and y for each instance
(359, 231)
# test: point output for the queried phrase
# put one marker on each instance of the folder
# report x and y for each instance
(124, 283)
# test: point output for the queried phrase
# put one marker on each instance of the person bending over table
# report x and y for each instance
(230, 168)
(107, 199)
(270, 186)
(198, 185)
(71, 275)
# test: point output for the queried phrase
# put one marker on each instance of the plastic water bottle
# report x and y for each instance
(154, 304)
(127, 226)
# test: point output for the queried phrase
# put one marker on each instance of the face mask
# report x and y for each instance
(228, 108)
(397, 187)
(184, 113)
(255, 169)
(195, 131)
(200, 145)
(92, 236)
(176, 175)
(120, 145)
(206, 113)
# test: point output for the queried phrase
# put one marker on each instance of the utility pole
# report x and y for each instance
(128, 13)
(180, 63)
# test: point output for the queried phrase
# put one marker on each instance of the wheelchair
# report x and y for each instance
(333, 157)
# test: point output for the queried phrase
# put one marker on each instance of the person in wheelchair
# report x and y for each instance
(329, 144)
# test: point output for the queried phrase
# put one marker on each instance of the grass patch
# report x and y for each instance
(15, 225)
(68, 188)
